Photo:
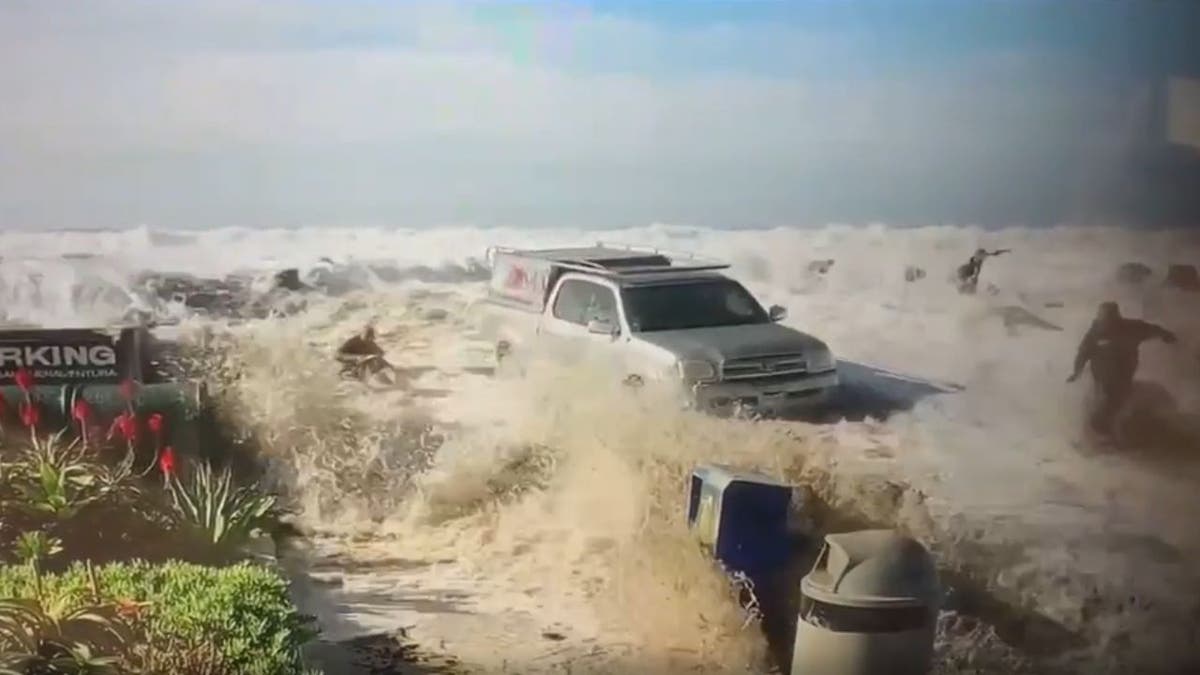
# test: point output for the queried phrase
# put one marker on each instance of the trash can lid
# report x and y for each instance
(873, 568)
(721, 475)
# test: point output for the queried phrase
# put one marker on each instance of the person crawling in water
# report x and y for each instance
(968, 273)
(361, 356)
(289, 279)
(1111, 347)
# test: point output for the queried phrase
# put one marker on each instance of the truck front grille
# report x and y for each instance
(759, 367)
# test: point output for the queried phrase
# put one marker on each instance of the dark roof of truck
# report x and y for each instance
(629, 264)
(600, 255)
(681, 276)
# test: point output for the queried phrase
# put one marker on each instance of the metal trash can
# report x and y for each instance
(868, 606)
(742, 517)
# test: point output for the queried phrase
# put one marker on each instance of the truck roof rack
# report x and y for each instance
(615, 260)
(640, 270)
(652, 250)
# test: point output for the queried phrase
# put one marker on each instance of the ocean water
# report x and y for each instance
(483, 512)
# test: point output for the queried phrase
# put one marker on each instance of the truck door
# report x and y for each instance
(567, 326)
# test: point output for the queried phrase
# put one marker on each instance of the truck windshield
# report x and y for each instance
(695, 304)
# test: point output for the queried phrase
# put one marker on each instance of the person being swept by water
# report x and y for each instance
(289, 279)
(1111, 347)
(967, 274)
(361, 355)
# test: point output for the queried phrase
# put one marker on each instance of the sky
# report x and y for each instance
(173, 114)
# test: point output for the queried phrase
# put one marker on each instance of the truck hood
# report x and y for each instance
(732, 342)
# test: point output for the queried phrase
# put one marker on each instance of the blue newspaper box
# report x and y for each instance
(742, 517)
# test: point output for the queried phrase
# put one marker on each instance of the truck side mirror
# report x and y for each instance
(602, 327)
(777, 313)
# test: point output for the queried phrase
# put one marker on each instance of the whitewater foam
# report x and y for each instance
(565, 494)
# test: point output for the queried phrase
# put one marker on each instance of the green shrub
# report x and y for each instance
(243, 611)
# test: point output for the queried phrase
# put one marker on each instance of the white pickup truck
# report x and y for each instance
(685, 325)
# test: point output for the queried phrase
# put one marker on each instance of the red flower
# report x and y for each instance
(129, 390)
(82, 411)
(125, 426)
(166, 461)
(24, 379)
(30, 415)
(155, 423)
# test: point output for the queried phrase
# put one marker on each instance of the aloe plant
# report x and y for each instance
(34, 548)
(81, 660)
(209, 504)
(57, 478)
(57, 640)
(55, 481)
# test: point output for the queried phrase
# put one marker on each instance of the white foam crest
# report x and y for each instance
(69, 293)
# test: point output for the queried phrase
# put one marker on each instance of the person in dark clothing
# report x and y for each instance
(1111, 347)
(361, 355)
(289, 279)
(968, 272)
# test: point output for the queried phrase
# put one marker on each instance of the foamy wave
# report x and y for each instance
(563, 491)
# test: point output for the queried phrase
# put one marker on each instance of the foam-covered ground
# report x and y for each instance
(537, 522)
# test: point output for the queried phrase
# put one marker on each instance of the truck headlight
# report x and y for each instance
(697, 371)
(820, 360)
